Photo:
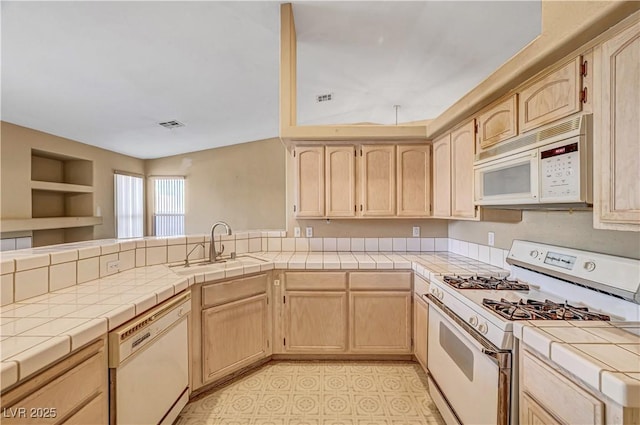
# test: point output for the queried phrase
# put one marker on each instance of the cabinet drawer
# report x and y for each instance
(65, 393)
(377, 281)
(94, 412)
(222, 293)
(559, 396)
(316, 281)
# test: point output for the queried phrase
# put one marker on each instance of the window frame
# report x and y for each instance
(117, 173)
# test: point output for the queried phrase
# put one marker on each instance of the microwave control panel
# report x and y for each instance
(560, 172)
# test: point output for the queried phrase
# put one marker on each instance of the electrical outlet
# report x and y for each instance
(113, 266)
(416, 231)
(309, 232)
(492, 238)
(296, 232)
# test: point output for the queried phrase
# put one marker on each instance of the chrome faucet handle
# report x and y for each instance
(221, 250)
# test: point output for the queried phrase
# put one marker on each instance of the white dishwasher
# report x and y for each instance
(149, 365)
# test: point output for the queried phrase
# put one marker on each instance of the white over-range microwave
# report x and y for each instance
(547, 168)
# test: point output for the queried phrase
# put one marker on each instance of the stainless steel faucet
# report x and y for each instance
(213, 254)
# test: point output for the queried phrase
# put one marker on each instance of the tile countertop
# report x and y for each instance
(604, 355)
(38, 331)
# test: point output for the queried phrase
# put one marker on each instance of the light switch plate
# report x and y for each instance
(416, 231)
(492, 238)
(309, 232)
(296, 232)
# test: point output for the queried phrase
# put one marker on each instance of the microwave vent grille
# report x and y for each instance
(530, 139)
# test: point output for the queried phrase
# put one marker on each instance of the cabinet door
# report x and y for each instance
(551, 97)
(377, 177)
(413, 175)
(463, 142)
(315, 321)
(498, 123)
(234, 335)
(380, 322)
(420, 329)
(309, 181)
(340, 179)
(616, 125)
(531, 413)
(442, 176)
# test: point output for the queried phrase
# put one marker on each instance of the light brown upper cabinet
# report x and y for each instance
(442, 176)
(340, 172)
(413, 165)
(309, 189)
(552, 96)
(377, 181)
(498, 123)
(453, 156)
(616, 129)
(463, 142)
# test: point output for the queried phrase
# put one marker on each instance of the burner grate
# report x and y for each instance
(541, 310)
(480, 282)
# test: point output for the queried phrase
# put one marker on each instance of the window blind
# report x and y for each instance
(129, 200)
(169, 206)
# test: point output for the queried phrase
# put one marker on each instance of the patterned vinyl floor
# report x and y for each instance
(319, 393)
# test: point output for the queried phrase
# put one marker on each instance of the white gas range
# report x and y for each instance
(470, 342)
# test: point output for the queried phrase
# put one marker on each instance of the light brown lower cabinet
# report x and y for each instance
(420, 329)
(73, 391)
(380, 322)
(234, 335)
(534, 414)
(315, 321)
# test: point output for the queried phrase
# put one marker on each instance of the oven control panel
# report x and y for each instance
(608, 273)
(561, 260)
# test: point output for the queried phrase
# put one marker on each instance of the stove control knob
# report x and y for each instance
(440, 294)
(483, 328)
(590, 266)
(473, 320)
(534, 253)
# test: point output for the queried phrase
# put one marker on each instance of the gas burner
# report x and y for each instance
(479, 282)
(539, 310)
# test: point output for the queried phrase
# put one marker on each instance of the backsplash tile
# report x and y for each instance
(6, 289)
(32, 262)
(357, 244)
(385, 244)
(302, 244)
(88, 269)
(371, 244)
(427, 244)
(330, 244)
(31, 283)
(156, 255)
(62, 276)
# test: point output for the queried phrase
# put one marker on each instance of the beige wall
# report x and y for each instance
(571, 229)
(15, 152)
(243, 185)
(354, 228)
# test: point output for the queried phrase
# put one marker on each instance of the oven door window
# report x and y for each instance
(457, 351)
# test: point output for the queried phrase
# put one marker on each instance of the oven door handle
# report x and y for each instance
(490, 353)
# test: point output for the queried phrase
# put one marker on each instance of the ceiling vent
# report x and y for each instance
(171, 124)
(324, 97)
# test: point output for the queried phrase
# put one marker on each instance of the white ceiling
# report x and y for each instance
(105, 73)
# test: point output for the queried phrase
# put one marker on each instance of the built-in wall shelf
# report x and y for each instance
(62, 201)
(47, 223)
(60, 187)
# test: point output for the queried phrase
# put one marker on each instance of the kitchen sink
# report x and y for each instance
(227, 263)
